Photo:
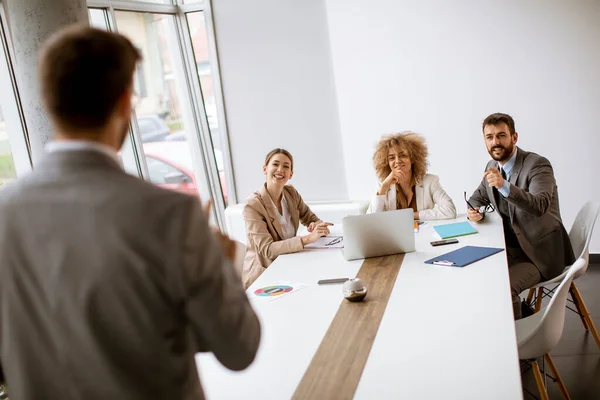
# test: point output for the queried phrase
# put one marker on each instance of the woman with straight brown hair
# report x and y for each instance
(401, 164)
(272, 215)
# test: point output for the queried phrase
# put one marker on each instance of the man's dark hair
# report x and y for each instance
(83, 73)
(499, 118)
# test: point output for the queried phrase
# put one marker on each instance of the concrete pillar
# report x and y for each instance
(30, 23)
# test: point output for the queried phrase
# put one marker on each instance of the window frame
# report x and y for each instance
(213, 57)
(133, 151)
(12, 111)
(198, 122)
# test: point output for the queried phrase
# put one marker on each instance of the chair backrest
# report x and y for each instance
(583, 226)
(334, 212)
(550, 326)
(581, 231)
(240, 254)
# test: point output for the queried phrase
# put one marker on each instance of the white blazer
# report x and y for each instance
(432, 200)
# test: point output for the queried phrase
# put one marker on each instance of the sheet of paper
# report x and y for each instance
(277, 290)
(327, 242)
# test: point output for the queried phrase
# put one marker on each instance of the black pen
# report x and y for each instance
(334, 241)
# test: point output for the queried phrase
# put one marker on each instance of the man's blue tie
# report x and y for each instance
(494, 190)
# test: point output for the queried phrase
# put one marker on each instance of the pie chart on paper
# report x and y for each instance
(272, 291)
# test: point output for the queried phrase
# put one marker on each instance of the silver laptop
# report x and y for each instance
(379, 234)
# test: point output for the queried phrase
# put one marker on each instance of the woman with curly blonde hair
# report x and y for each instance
(400, 161)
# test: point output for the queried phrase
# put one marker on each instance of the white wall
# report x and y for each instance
(279, 92)
(440, 67)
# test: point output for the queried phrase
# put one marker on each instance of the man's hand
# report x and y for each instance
(206, 209)
(229, 246)
(474, 215)
(494, 178)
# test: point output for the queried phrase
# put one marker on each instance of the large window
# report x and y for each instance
(164, 113)
(176, 138)
(198, 33)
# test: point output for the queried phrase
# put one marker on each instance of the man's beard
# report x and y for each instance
(502, 156)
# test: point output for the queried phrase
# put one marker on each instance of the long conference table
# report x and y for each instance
(423, 331)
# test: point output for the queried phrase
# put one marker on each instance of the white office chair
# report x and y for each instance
(539, 333)
(240, 254)
(580, 235)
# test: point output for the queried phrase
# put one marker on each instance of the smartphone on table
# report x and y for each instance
(331, 281)
(443, 242)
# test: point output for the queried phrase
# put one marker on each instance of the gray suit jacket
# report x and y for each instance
(534, 212)
(109, 286)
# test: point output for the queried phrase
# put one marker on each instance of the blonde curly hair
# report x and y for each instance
(412, 143)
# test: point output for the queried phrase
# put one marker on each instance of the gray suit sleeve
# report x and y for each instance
(538, 196)
(217, 308)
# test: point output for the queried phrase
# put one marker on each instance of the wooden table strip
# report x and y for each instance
(336, 367)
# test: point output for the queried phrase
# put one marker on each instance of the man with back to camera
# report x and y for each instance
(521, 186)
(109, 285)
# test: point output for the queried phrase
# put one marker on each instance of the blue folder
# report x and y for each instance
(464, 256)
(447, 231)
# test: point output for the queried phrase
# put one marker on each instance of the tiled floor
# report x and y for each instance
(577, 357)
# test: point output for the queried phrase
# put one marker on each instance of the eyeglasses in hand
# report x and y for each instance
(483, 209)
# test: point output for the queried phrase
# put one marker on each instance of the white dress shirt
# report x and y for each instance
(285, 220)
(81, 145)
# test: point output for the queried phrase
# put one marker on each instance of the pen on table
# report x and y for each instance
(334, 241)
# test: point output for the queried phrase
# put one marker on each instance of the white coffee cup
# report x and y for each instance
(354, 289)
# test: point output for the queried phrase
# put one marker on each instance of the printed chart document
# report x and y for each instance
(277, 290)
(327, 242)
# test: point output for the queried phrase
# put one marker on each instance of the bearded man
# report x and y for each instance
(522, 188)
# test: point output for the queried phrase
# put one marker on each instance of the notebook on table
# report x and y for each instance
(456, 229)
(464, 256)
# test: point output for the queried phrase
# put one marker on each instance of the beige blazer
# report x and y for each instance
(432, 200)
(264, 231)
(110, 286)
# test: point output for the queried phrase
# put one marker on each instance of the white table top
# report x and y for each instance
(447, 332)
